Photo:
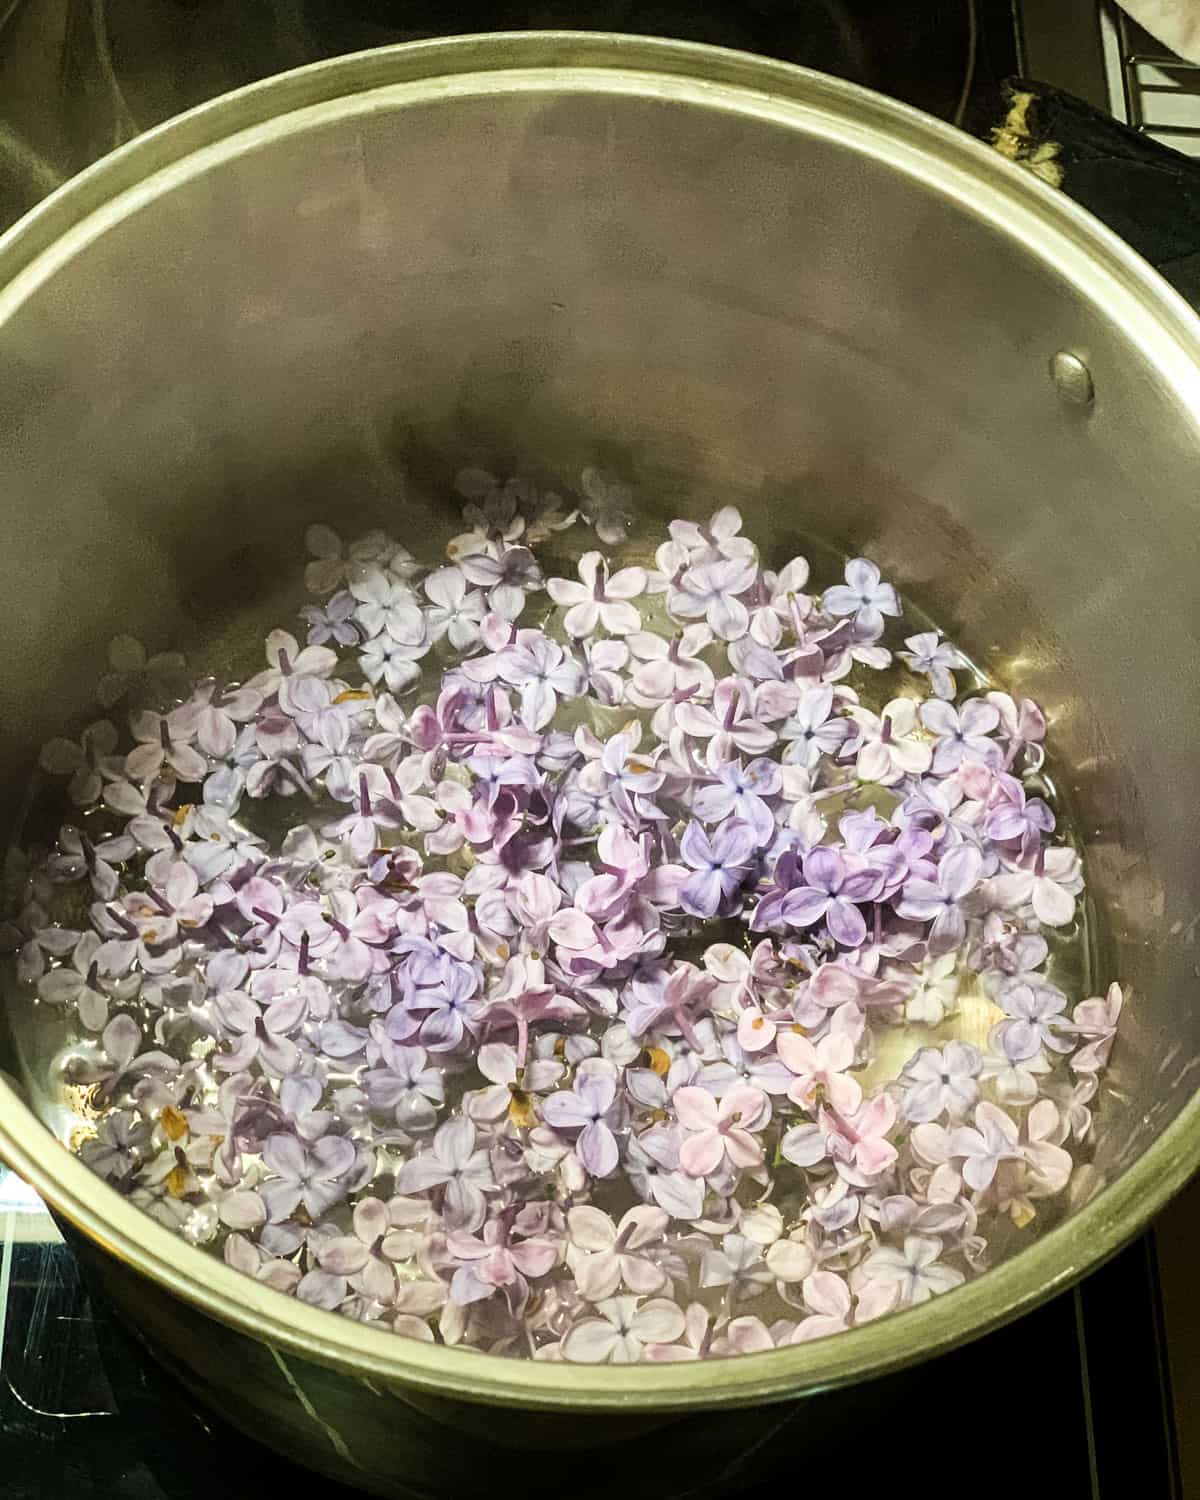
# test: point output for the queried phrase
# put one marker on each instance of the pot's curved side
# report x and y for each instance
(883, 416)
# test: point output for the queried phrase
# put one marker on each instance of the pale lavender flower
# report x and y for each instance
(863, 595)
(543, 673)
(89, 763)
(408, 1086)
(936, 659)
(385, 604)
(592, 1108)
(721, 863)
(984, 1145)
(333, 622)
(812, 730)
(625, 1327)
(940, 901)
(507, 578)
(165, 740)
(737, 1263)
(453, 1162)
(454, 610)
(916, 1271)
(598, 598)
(1035, 1015)
(711, 590)
(605, 1256)
(80, 857)
(739, 792)
(382, 1234)
(961, 733)
(313, 1176)
(942, 1081)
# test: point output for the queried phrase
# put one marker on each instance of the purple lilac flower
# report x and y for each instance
(720, 862)
(834, 887)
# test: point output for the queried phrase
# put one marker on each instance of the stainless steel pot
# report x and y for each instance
(735, 281)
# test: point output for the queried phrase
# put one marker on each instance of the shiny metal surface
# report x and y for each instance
(1072, 378)
(732, 280)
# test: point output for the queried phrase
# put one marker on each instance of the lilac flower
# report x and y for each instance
(819, 1070)
(860, 1140)
(720, 1133)
(940, 901)
(118, 1147)
(80, 857)
(507, 578)
(392, 662)
(605, 1256)
(737, 1264)
(262, 1035)
(380, 1237)
(721, 865)
(386, 605)
(285, 659)
(915, 1271)
(543, 673)
(936, 659)
(942, 1081)
(740, 792)
(313, 1176)
(812, 731)
(218, 714)
(827, 1298)
(1035, 1016)
(991, 1140)
(719, 538)
(711, 590)
(453, 1009)
(862, 595)
(134, 670)
(89, 763)
(606, 506)
(1049, 887)
(598, 599)
(497, 1262)
(591, 1107)
(835, 885)
(165, 740)
(333, 622)
(625, 1327)
(79, 985)
(408, 1086)
(888, 746)
(453, 1162)
(454, 610)
(961, 733)
(1022, 724)
(931, 989)
(1096, 1021)
(669, 667)
(1018, 818)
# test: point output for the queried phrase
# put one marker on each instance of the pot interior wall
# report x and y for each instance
(325, 325)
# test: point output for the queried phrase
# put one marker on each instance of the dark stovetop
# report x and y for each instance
(1055, 1400)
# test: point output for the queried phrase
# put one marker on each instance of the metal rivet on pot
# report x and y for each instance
(1072, 378)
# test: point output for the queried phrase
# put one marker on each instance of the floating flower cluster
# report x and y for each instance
(550, 1027)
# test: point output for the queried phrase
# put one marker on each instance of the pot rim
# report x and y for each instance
(1096, 265)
